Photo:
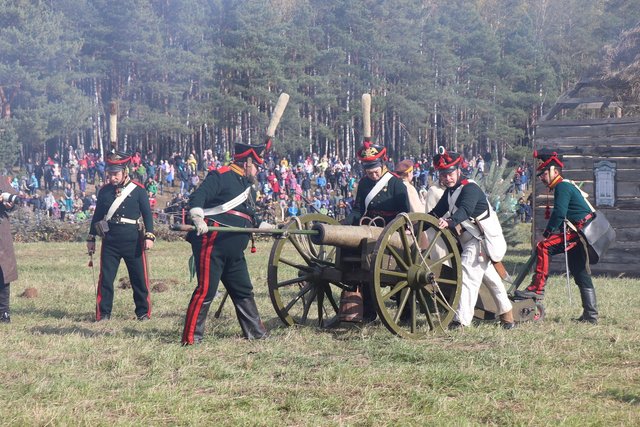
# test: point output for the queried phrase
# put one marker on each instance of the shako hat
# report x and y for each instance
(255, 152)
(546, 159)
(117, 161)
(371, 155)
(446, 161)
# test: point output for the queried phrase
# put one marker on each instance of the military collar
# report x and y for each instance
(557, 180)
(237, 169)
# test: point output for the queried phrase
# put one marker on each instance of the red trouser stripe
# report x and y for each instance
(204, 268)
(542, 257)
(99, 291)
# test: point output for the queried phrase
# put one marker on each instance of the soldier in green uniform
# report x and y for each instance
(120, 205)
(568, 205)
(225, 198)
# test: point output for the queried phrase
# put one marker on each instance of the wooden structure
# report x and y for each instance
(602, 154)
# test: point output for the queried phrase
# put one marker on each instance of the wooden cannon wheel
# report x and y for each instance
(416, 276)
(298, 277)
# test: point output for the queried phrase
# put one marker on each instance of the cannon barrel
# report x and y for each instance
(348, 236)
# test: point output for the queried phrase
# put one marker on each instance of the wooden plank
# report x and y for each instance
(560, 143)
(625, 175)
(598, 151)
(590, 131)
(628, 203)
(586, 162)
(624, 189)
(617, 218)
(589, 122)
(607, 269)
(628, 235)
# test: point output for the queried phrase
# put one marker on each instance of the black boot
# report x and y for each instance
(247, 312)
(589, 306)
(4, 303)
(198, 332)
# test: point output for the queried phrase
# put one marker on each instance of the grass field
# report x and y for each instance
(58, 367)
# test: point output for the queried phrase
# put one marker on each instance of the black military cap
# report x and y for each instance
(117, 160)
(256, 152)
(446, 161)
(371, 155)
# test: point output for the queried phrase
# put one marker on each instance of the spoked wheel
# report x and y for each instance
(416, 276)
(300, 276)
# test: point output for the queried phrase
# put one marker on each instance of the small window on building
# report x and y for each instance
(605, 182)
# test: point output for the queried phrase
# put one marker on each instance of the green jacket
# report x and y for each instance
(569, 203)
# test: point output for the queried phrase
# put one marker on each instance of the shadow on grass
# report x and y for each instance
(70, 330)
(54, 314)
(622, 396)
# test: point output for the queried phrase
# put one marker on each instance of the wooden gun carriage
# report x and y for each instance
(412, 268)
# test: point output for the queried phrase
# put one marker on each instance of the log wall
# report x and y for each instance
(584, 143)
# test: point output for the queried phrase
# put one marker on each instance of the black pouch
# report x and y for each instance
(102, 228)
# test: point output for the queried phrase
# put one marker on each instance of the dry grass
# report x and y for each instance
(59, 367)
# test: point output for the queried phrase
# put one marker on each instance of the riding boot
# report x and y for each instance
(4, 303)
(589, 306)
(249, 318)
(198, 332)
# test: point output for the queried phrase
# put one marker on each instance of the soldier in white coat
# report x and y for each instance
(464, 209)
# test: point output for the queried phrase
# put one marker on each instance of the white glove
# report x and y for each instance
(5, 197)
(197, 216)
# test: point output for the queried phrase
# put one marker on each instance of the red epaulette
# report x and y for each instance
(464, 181)
(395, 174)
(137, 183)
(223, 169)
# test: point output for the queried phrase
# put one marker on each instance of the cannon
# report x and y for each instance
(414, 291)
(411, 268)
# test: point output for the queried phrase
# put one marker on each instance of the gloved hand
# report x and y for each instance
(201, 226)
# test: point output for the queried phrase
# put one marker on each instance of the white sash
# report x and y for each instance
(486, 227)
(118, 201)
(227, 206)
(376, 189)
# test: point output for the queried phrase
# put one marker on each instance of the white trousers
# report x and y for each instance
(476, 270)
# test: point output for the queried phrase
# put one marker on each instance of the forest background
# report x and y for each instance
(472, 75)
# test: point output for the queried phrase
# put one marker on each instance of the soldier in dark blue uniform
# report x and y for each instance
(120, 205)
(380, 194)
(225, 198)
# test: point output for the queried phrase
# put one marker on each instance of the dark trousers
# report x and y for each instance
(5, 292)
(218, 257)
(553, 245)
(131, 251)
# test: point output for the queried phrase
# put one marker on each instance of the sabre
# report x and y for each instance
(93, 276)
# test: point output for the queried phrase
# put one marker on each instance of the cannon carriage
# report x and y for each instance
(414, 290)
(412, 270)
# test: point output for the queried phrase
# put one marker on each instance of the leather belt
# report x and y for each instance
(240, 214)
(121, 220)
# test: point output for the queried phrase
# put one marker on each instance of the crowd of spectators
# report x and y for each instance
(56, 186)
